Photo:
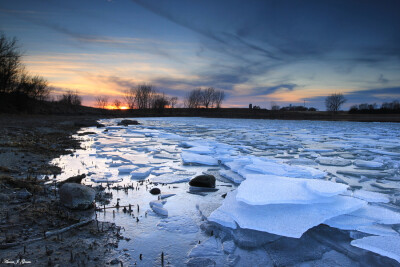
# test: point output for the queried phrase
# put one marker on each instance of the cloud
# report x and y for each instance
(269, 90)
(381, 79)
(134, 44)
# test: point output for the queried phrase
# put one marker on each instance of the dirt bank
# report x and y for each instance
(29, 208)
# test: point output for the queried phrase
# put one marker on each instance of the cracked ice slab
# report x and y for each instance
(378, 214)
(272, 189)
(198, 159)
(275, 168)
(388, 246)
(290, 220)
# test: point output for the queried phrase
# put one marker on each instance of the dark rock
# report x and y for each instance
(128, 122)
(203, 181)
(100, 125)
(74, 179)
(155, 191)
(23, 194)
(114, 261)
(76, 196)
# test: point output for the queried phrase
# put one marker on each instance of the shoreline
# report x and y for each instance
(30, 208)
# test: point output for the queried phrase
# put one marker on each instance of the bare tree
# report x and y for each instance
(129, 97)
(117, 103)
(218, 97)
(160, 101)
(10, 64)
(334, 101)
(35, 87)
(194, 98)
(101, 102)
(173, 101)
(208, 96)
(144, 94)
(70, 98)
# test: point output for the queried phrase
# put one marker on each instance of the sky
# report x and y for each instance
(259, 52)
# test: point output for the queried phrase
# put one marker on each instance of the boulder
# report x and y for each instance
(76, 196)
(155, 191)
(128, 122)
(203, 181)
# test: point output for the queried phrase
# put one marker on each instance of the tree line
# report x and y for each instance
(21, 90)
(14, 78)
(207, 98)
(145, 96)
(386, 107)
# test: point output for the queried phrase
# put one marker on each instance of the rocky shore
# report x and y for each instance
(35, 227)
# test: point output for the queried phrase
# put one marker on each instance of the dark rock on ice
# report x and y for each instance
(155, 191)
(203, 181)
(114, 261)
(76, 196)
(128, 122)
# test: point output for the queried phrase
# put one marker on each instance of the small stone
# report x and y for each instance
(203, 181)
(155, 191)
(114, 261)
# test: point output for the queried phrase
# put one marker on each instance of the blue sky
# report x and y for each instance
(256, 51)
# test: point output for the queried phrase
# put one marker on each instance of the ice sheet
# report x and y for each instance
(388, 246)
(198, 159)
(178, 224)
(141, 173)
(290, 220)
(236, 178)
(274, 168)
(378, 214)
(272, 189)
(371, 196)
(378, 229)
(368, 164)
(170, 179)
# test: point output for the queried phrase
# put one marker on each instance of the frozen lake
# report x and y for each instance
(301, 193)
